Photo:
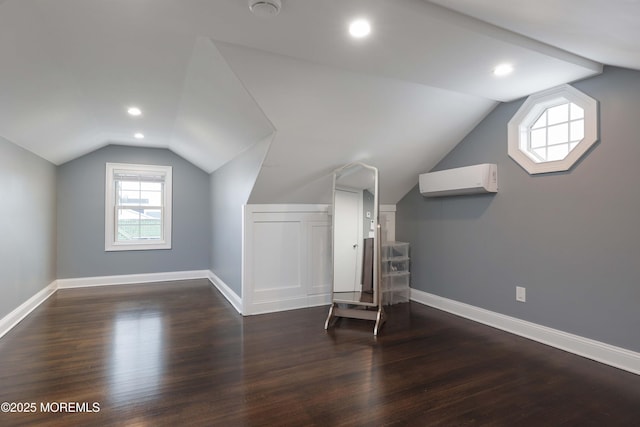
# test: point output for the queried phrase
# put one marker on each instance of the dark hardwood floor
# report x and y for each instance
(178, 354)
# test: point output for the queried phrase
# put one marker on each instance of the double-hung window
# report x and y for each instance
(137, 207)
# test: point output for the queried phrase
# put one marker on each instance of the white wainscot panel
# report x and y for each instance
(319, 258)
(276, 260)
(287, 257)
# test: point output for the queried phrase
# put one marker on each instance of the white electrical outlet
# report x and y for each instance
(521, 294)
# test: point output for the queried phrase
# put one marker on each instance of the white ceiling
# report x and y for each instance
(213, 79)
(607, 31)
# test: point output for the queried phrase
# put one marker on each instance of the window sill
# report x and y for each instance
(117, 247)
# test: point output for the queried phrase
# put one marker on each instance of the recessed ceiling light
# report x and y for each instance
(134, 111)
(265, 8)
(359, 28)
(503, 70)
(138, 135)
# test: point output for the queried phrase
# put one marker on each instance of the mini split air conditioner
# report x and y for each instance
(474, 179)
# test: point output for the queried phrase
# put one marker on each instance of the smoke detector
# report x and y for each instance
(265, 8)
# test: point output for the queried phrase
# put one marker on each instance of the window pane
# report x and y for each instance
(558, 114)
(538, 138)
(541, 122)
(557, 152)
(150, 198)
(576, 112)
(127, 225)
(152, 213)
(541, 154)
(128, 214)
(558, 134)
(129, 185)
(151, 186)
(139, 224)
(129, 198)
(150, 230)
(577, 130)
(134, 193)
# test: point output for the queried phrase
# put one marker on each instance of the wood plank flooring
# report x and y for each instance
(178, 354)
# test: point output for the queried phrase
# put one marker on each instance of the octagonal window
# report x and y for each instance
(552, 130)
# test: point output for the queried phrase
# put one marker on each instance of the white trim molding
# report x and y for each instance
(226, 291)
(128, 279)
(295, 207)
(519, 127)
(289, 304)
(9, 321)
(595, 350)
(144, 173)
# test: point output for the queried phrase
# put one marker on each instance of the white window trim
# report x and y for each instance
(110, 244)
(528, 113)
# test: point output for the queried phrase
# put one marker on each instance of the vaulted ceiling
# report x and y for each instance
(212, 79)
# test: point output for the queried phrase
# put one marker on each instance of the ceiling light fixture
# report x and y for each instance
(503, 70)
(359, 28)
(138, 135)
(265, 8)
(134, 111)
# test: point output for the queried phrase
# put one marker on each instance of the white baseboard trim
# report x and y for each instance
(601, 352)
(320, 299)
(226, 291)
(127, 279)
(288, 304)
(13, 318)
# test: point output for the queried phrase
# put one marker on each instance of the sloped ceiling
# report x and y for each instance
(212, 79)
(327, 117)
(606, 31)
(217, 118)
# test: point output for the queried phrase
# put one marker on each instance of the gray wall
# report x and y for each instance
(27, 225)
(81, 190)
(572, 239)
(231, 186)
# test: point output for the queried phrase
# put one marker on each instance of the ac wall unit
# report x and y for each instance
(474, 179)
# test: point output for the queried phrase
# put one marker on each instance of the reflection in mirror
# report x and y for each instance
(355, 242)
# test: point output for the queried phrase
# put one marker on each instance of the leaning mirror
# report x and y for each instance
(355, 245)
